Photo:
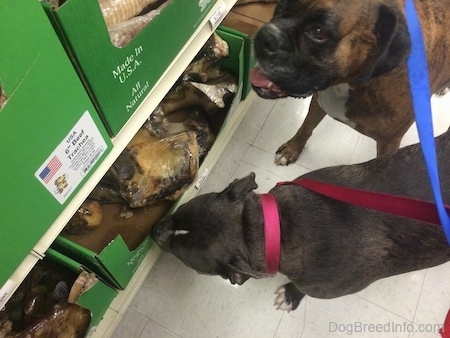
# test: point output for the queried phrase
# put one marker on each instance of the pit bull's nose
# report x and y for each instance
(271, 39)
(161, 233)
(157, 231)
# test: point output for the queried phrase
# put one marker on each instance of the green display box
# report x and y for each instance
(55, 276)
(115, 264)
(247, 61)
(97, 299)
(118, 79)
(235, 62)
(52, 137)
(115, 249)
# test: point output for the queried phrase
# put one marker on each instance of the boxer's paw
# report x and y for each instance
(288, 297)
(288, 153)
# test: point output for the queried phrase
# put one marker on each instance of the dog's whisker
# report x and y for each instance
(181, 232)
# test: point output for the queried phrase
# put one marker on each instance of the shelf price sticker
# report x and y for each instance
(218, 15)
(202, 178)
(6, 291)
(72, 159)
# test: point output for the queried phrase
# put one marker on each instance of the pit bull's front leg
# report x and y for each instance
(288, 297)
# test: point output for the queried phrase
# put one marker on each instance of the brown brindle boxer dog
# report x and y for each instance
(351, 56)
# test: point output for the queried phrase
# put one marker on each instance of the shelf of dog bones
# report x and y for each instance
(181, 140)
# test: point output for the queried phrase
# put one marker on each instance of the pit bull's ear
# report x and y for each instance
(394, 42)
(241, 187)
(240, 271)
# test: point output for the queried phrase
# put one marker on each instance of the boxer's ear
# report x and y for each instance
(241, 187)
(393, 38)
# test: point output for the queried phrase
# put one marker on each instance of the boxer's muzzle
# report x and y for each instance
(275, 50)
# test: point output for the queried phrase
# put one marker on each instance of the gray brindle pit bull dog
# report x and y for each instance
(328, 248)
(350, 55)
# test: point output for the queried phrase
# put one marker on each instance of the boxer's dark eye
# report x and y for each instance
(317, 35)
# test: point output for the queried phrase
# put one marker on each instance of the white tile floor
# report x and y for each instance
(175, 301)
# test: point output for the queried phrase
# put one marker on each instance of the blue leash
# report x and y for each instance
(420, 94)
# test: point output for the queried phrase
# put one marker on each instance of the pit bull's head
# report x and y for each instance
(208, 233)
(310, 45)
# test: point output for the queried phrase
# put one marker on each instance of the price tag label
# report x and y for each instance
(202, 178)
(5, 292)
(218, 15)
(72, 159)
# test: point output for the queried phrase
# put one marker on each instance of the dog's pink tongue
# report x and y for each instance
(258, 79)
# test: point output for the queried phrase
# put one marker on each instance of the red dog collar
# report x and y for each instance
(272, 236)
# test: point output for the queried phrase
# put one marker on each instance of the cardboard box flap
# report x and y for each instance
(247, 61)
(21, 43)
(85, 257)
(97, 299)
(116, 264)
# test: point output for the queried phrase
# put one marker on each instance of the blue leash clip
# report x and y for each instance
(420, 95)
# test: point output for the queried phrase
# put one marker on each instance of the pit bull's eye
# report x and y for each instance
(317, 35)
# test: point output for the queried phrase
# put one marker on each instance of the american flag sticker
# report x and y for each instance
(78, 152)
(50, 169)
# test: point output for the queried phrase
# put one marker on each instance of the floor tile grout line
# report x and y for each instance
(385, 309)
(420, 295)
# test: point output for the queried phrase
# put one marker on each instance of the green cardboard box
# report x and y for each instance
(115, 249)
(236, 59)
(118, 79)
(115, 254)
(52, 138)
(115, 264)
(239, 60)
(246, 58)
(49, 279)
(97, 299)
